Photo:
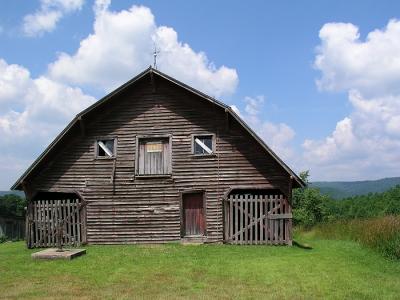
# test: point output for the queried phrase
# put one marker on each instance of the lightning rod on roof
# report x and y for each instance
(155, 53)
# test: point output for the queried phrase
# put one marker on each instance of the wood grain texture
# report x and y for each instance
(125, 208)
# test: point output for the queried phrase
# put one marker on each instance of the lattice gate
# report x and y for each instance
(51, 220)
(258, 219)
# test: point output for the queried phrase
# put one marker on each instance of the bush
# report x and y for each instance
(3, 239)
(309, 205)
(381, 234)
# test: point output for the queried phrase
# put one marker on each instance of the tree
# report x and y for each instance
(309, 205)
(12, 206)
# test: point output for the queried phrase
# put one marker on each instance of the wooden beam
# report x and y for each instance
(153, 82)
(82, 126)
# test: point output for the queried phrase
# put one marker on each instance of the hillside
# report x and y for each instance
(18, 193)
(343, 189)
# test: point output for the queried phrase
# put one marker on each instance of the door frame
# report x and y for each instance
(192, 191)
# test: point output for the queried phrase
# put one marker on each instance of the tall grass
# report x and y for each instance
(381, 234)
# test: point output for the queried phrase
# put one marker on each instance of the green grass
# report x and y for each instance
(332, 269)
(381, 233)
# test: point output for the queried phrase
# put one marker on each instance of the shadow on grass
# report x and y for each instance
(302, 246)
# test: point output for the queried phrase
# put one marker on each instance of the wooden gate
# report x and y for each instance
(258, 219)
(47, 220)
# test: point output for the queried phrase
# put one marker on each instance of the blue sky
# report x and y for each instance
(317, 80)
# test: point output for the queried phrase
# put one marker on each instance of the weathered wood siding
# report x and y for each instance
(123, 208)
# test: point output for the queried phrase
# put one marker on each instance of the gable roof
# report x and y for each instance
(151, 71)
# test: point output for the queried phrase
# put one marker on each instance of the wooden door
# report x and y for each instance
(193, 214)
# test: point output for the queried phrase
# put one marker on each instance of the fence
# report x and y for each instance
(12, 228)
(258, 219)
(53, 221)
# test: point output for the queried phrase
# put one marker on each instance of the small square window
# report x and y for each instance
(105, 148)
(203, 144)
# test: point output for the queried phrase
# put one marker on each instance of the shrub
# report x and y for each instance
(3, 239)
(381, 234)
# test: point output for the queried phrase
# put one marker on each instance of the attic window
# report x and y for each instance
(153, 156)
(105, 148)
(203, 144)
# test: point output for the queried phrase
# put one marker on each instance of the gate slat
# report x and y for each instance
(265, 219)
(45, 223)
(67, 222)
(281, 226)
(251, 219)
(276, 238)
(231, 219)
(73, 221)
(241, 219)
(40, 223)
(246, 219)
(261, 220)
(236, 219)
(79, 223)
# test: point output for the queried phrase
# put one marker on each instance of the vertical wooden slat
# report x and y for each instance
(265, 200)
(39, 224)
(241, 218)
(276, 221)
(55, 214)
(256, 218)
(67, 221)
(284, 221)
(73, 220)
(261, 220)
(281, 220)
(78, 224)
(271, 221)
(231, 218)
(236, 219)
(45, 211)
(290, 238)
(251, 198)
(246, 219)
(60, 215)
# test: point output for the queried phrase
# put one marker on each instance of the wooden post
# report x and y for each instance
(290, 239)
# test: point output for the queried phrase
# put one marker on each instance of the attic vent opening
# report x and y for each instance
(105, 148)
(203, 144)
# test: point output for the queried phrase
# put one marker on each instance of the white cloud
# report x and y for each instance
(122, 45)
(277, 136)
(346, 62)
(45, 19)
(365, 144)
(32, 112)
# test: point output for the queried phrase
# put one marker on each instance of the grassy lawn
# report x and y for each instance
(332, 269)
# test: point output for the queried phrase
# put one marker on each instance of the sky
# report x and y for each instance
(319, 81)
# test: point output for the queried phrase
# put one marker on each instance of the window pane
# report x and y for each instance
(105, 148)
(203, 144)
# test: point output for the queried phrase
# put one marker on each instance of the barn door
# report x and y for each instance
(52, 220)
(193, 214)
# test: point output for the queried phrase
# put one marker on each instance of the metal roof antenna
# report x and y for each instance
(155, 53)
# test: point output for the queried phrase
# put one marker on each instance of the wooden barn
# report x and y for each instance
(157, 161)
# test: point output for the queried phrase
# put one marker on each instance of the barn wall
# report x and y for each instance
(123, 208)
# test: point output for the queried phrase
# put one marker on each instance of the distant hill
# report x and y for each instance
(19, 193)
(343, 189)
